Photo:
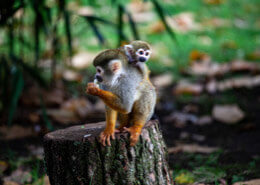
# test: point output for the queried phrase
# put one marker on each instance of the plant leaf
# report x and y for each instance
(45, 116)
(68, 31)
(132, 24)
(160, 12)
(120, 25)
(96, 31)
(18, 84)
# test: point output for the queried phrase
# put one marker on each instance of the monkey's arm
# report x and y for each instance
(109, 98)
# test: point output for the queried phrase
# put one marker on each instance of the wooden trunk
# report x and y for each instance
(75, 156)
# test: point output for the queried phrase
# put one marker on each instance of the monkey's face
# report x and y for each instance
(108, 74)
(143, 55)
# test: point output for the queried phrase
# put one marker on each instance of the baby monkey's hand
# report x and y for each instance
(92, 89)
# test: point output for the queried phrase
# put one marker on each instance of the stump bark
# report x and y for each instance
(75, 156)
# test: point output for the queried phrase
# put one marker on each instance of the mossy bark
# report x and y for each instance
(74, 156)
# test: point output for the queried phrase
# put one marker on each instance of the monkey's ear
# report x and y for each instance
(115, 65)
(127, 47)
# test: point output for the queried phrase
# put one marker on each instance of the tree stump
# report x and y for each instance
(75, 156)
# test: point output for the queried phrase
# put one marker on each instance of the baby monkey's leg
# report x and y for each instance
(111, 116)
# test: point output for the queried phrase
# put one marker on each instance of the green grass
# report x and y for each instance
(209, 169)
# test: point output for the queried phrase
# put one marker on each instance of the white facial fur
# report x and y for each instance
(143, 53)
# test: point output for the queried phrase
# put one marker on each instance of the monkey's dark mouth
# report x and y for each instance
(99, 78)
(142, 59)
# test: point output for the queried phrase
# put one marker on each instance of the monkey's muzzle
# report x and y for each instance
(99, 78)
(142, 59)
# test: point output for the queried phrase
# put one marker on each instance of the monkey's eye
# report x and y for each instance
(98, 70)
(147, 53)
(141, 52)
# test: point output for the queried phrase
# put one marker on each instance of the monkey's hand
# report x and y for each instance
(92, 89)
(135, 132)
(106, 135)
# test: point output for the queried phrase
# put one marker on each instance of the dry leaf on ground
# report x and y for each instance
(71, 111)
(250, 182)
(191, 148)
(10, 183)
(181, 119)
(20, 175)
(229, 114)
(139, 6)
(162, 80)
(3, 166)
(82, 60)
(71, 75)
(16, 132)
(184, 87)
(32, 96)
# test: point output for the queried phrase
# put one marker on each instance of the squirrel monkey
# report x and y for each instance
(138, 52)
(127, 95)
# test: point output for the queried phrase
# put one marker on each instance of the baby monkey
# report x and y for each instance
(138, 52)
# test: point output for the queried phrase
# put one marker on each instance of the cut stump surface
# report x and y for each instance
(75, 156)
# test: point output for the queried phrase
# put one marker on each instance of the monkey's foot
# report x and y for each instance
(134, 134)
(120, 128)
(105, 137)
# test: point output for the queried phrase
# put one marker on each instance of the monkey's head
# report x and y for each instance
(141, 50)
(109, 66)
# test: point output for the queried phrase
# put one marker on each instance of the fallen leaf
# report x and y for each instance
(137, 6)
(183, 22)
(71, 75)
(185, 178)
(15, 132)
(229, 114)
(36, 151)
(254, 55)
(80, 106)
(213, 2)
(3, 166)
(244, 66)
(204, 120)
(34, 117)
(246, 82)
(197, 55)
(142, 17)
(157, 27)
(184, 87)
(191, 148)
(82, 60)
(181, 119)
(10, 183)
(21, 176)
(84, 11)
(250, 182)
(32, 96)
(63, 116)
(162, 80)
(71, 111)
(198, 137)
(212, 86)
(43, 181)
(207, 68)
(215, 22)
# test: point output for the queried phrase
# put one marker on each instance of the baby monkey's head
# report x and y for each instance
(139, 50)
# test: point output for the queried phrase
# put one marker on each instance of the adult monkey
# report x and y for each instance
(127, 95)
